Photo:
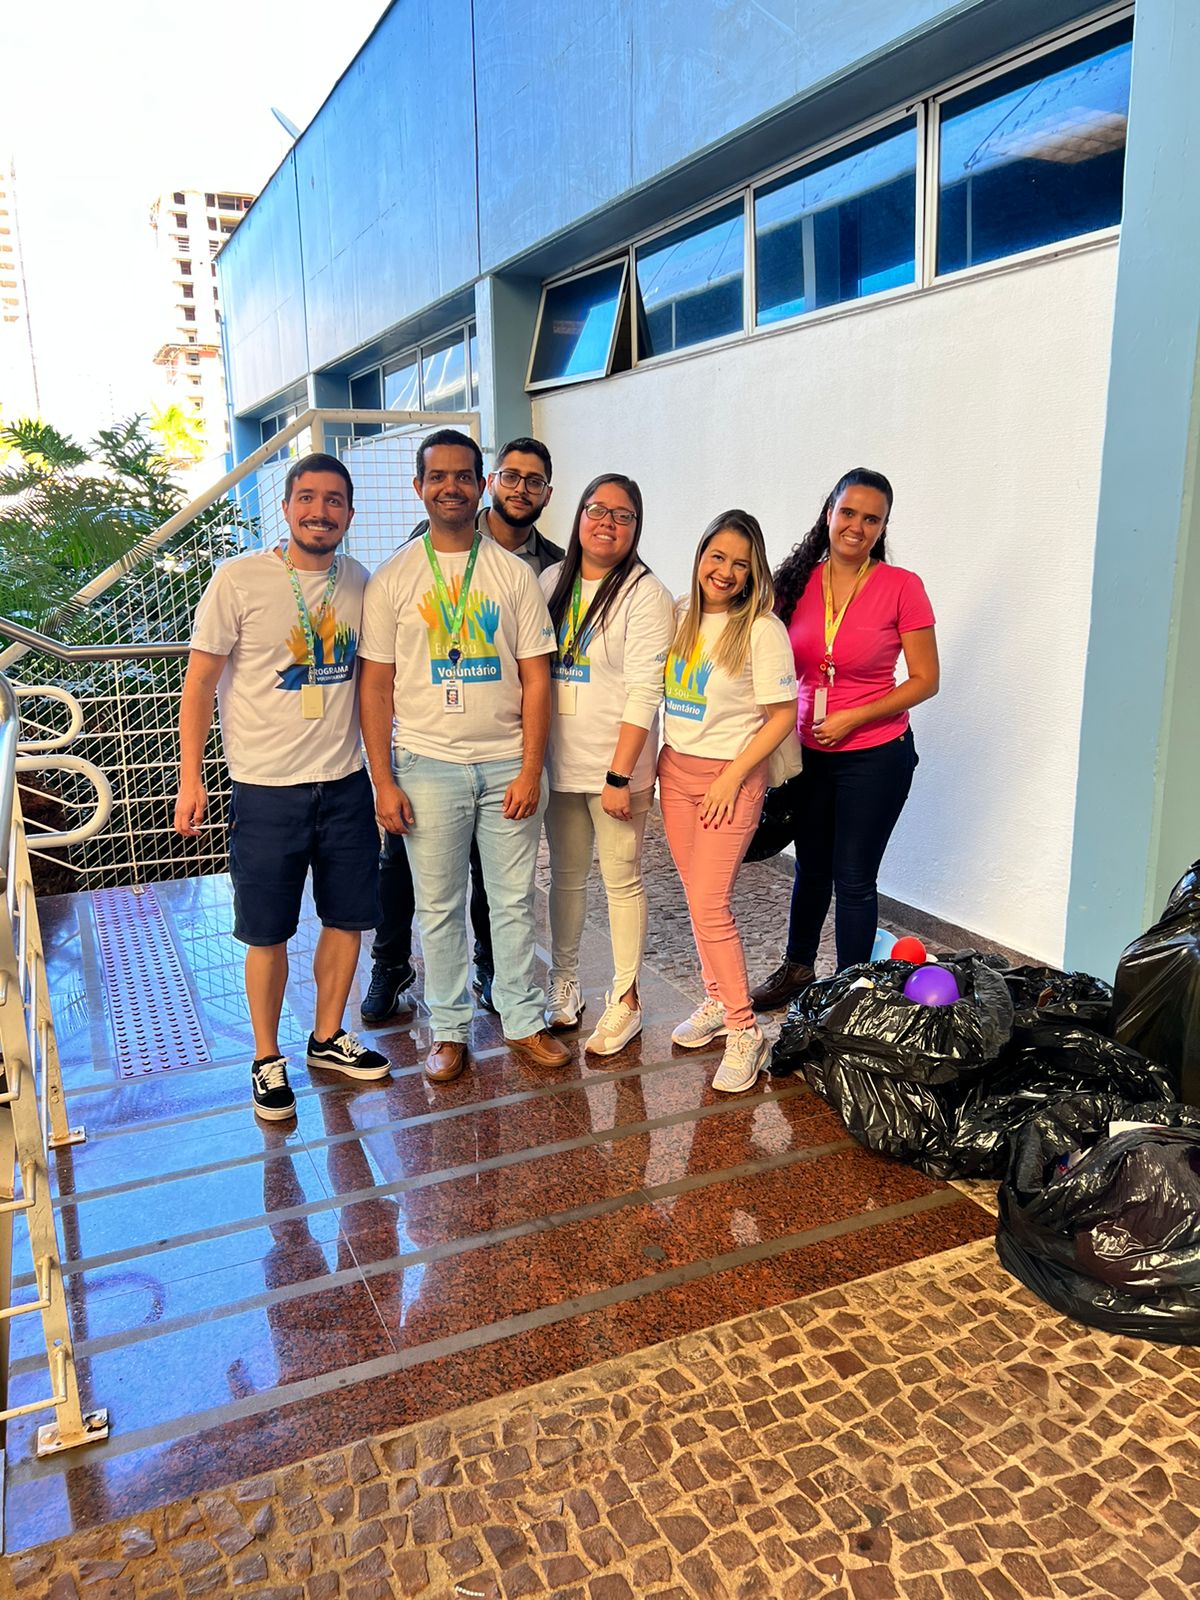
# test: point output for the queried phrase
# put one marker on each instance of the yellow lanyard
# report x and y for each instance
(832, 623)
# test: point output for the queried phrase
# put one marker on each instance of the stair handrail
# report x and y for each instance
(32, 1123)
(312, 420)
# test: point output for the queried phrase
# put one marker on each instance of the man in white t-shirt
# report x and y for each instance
(276, 638)
(455, 655)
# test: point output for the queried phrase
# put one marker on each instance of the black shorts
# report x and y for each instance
(276, 834)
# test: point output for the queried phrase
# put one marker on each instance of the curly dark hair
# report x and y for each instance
(791, 579)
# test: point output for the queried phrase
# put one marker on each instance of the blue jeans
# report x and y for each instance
(849, 802)
(452, 804)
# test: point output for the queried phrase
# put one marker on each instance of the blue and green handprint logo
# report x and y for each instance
(480, 659)
(687, 684)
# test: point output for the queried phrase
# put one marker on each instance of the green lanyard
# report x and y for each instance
(453, 614)
(305, 619)
(571, 644)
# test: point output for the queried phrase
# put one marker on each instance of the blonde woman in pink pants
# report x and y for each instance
(730, 702)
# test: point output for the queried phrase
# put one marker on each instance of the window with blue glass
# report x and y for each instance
(402, 385)
(578, 325)
(444, 374)
(690, 282)
(1036, 155)
(838, 229)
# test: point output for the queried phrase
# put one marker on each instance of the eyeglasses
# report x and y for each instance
(597, 513)
(512, 479)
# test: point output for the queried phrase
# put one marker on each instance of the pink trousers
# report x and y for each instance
(707, 860)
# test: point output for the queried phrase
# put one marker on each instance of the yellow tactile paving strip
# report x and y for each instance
(932, 1431)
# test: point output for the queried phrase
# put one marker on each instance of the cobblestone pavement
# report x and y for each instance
(930, 1432)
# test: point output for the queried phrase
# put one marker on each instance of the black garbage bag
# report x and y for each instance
(1044, 1062)
(876, 1029)
(1156, 997)
(779, 822)
(896, 1071)
(1106, 1228)
(1061, 996)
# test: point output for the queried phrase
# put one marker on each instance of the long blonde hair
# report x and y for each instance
(756, 600)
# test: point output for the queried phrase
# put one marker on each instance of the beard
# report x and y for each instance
(316, 541)
(517, 519)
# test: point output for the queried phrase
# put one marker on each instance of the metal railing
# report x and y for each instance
(33, 1113)
(118, 646)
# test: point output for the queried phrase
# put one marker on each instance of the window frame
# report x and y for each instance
(661, 232)
(937, 99)
(619, 258)
(830, 148)
(926, 108)
(414, 354)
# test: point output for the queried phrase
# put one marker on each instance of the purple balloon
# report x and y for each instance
(932, 986)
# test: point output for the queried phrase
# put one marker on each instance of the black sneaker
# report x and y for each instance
(484, 977)
(347, 1054)
(385, 994)
(273, 1097)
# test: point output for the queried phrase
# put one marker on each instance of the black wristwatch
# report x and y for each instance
(616, 781)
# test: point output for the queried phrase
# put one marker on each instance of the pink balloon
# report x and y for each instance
(932, 986)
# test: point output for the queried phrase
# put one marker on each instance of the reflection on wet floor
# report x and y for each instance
(246, 1296)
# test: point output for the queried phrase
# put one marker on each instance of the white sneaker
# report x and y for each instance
(746, 1055)
(616, 1027)
(704, 1025)
(564, 1003)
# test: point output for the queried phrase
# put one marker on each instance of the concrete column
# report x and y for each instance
(1137, 807)
(505, 312)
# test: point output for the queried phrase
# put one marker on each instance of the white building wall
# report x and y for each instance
(984, 402)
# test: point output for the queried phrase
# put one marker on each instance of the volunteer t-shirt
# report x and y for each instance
(891, 602)
(617, 676)
(709, 713)
(249, 613)
(405, 623)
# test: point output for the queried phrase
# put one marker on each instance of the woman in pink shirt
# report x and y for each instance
(850, 614)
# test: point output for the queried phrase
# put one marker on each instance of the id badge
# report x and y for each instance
(452, 696)
(565, 697)
(312, 702)
(820, 702)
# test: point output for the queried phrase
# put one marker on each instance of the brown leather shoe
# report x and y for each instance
(540, 1050)
(783, 985)
(445, 1061)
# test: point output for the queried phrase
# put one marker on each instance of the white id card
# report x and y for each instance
(312, 702)
(452, 695)
(820, 702)
(565, 697)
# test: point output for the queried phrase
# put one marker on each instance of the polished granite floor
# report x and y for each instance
(245, 1296)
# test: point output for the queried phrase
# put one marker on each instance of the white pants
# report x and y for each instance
(574, 824)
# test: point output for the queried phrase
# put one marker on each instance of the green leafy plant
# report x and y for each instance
(67, 510)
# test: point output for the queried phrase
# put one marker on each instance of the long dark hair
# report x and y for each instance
(610, 585)
(791, 579)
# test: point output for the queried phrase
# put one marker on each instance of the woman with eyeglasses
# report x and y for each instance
(614, 621)
(730, 703)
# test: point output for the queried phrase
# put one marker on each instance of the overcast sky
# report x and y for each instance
(106, 103)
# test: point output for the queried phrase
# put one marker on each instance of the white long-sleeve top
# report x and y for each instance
(618, 677)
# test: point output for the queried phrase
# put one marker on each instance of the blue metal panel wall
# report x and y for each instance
(585, 103)
(466, 136)
(387, 180)
(262, 296)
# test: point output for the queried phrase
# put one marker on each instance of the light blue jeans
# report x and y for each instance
(451, 802)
